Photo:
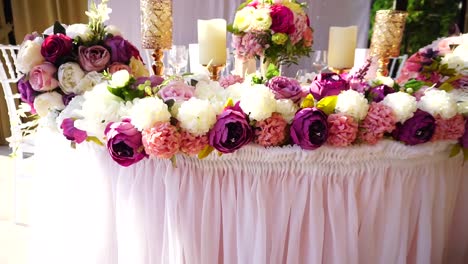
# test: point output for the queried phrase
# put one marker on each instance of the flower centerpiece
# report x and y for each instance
(279, 32)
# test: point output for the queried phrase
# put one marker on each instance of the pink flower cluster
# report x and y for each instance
(229, 80)
(343, 130)
(162, 140)
(248, 46)
(449, 129)
(380, 119)
(271, 131)
(191, 144)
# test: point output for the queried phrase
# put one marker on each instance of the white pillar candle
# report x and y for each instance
(341, 47)
(212, 41)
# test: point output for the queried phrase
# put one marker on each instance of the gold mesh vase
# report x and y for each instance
(386, 37)
(156, 24)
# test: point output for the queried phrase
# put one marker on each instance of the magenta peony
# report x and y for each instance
(449, 129)
(191, 144)
(282, 19)
(343, 130)
(124, 143)
(271, 131)
(71, 132)
(162, 140)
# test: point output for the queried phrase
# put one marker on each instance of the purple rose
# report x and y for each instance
(177, 91)
(286, 88)
(327, 84)
(56, 46)
(309, 128)
(282, 19)
(66, 98)
(464, 138)
(71, 132)
(231, 130)
(42, 77)
(121, 49)
(94, 58)
(378, 93)
(416, 130)
(26, 91)
(124, 143)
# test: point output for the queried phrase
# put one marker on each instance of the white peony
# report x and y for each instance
(99, 108)
(379, 80)
(402, 104)
(258, 102)
(244, 18)
(79, 30)
(461, 96)
(113, 30)
(119, 79)
(235, 91)
(147, 111)
(196, 116)
(352, 103)
(438, 102)
(287, 108)
(213, 92)
(261, 20)
(46, 102)
(69, 75)
(458, 60)
(29, 55)
(90, 80)
(71, 110)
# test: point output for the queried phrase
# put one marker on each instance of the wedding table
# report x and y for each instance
(387, 203)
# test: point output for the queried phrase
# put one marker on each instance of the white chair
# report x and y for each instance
(23, 146)
(396, 65)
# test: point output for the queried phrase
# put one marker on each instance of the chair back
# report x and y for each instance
(9, 74)
(396, 65)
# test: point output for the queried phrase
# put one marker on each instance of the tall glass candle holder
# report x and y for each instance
(156, 29)
(386, 37)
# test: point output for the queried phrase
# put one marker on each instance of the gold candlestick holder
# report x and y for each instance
(386, 39)
(158, 64)
(215, 71)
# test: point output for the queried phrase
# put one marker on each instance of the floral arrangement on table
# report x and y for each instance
(153, 117)
(277, 30)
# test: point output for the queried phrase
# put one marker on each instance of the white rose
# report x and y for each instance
(258, 102)
(352, 103)
(287, 108)
(119, 79)
(46, 102)
(244, 18)
(90, 80)
(69, 75)
(402, 104)
(235, 91)
(79, 30)
(196, 116)
(261, 19)
(147, 111)
(438, 102)
(113, 30)
(29, 55)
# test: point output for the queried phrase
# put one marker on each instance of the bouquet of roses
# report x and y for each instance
(277, 30)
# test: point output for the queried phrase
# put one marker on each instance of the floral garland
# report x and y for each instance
(139, 117)
(279, 31)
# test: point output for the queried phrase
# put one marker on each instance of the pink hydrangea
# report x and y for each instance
(380, 119)
(229, 80)
(271, 131)
(249, 45)
(300, 23)
(449, 129)
(342, 131)
(191, 144)
(162, 140)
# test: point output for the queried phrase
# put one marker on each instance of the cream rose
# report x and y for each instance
(29, 56)
(88, 82)
(69, 75)
(46, 102)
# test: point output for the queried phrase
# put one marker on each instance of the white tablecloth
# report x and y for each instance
(387, 203)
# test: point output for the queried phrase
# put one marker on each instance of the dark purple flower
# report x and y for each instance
(378, 93)
(94, 58)
(309, 128)
(124, 143)
(121, 49)
(327, 84)
(71, 132)
(154, 80)
(464, 138)
(282, 19)
(66, 98)
(231, 131)
(416, 130)
(26, 91)
(286, 88)
(56, 46)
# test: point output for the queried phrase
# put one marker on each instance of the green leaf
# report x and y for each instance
(58, 28)
(257, 79)
(308, 101)
(174, 161)
(95, 140)
(446, 87)
(205, 152)
(414, 84)
(455, 150)
(328, 104)
(272, 71)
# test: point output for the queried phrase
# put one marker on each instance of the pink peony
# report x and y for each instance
(191, 144)
(177, 91)
(271, 131)
(42, 78)
(229, 80)
(343, 130)
(162, 140)
(449, 129)
(380, 119)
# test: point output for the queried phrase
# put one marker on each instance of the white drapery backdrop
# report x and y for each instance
(322, 14)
